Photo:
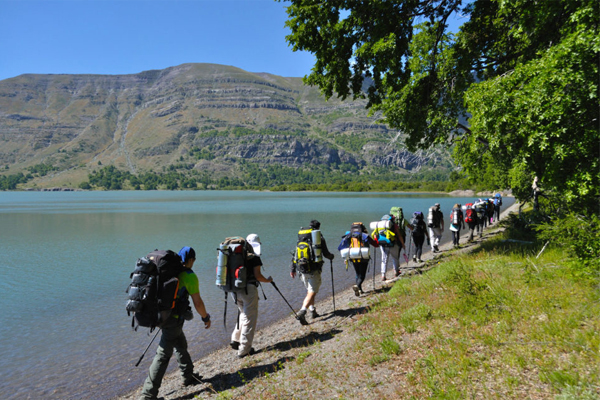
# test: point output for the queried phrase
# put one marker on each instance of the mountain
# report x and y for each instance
(209, 117)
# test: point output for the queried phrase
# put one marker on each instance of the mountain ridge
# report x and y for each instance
(152, 120)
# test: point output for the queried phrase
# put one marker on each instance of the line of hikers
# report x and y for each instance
(163, 281)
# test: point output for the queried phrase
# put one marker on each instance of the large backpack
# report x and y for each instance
(480, 210)
(152, 293)
(382, 231)
(455, 216)
(433, 218)
(359, 249)
(418, 224)
(398, 215)
(307, 255)
(469, 213)
(233, 273)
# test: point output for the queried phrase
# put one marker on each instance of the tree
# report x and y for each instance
(517, 83)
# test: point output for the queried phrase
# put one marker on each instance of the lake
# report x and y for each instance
(67, 256)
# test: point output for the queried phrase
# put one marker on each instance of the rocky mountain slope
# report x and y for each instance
(207, 116)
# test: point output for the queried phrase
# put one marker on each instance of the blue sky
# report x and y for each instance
(127, 37)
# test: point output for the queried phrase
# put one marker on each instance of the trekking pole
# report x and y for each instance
(374, 268)
(409, 247)
(278, 291)
(332, 287)
(144, 353)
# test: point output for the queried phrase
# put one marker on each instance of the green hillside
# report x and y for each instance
(198, 120)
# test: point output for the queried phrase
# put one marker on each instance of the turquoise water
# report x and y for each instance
(67, 256)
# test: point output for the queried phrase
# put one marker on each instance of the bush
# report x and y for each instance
(579, 235)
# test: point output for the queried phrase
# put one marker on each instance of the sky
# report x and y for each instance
(127, 37)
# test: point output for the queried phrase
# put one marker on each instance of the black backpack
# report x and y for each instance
(152, 292)
(418, 224)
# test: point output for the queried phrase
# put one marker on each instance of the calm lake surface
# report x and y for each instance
(67, 256)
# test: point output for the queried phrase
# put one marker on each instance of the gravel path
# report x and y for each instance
(324, 339)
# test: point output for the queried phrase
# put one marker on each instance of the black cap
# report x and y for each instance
(315, 224)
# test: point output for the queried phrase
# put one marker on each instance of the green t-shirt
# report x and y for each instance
(189, 281)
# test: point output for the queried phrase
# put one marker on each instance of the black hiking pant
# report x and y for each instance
(360, 267)
(419, 245)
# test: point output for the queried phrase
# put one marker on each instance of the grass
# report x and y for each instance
(495, 324)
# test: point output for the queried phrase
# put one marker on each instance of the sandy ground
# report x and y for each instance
(286, 340)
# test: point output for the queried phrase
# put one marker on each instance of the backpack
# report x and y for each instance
(307, 256)
(433, 218)
(359, 249)
(480, 209)
(455, 216)
(418, 224)
(152, 293)
(233, 274)
(398, 215)
(469, 213)
(382, 231)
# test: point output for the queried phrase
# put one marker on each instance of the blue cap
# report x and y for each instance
(186, 253)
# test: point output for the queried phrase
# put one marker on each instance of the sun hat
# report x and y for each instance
(254, 240)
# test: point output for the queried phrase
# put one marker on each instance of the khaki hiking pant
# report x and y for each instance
(245, 328)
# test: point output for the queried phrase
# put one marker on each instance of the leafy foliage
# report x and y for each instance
(525, 71)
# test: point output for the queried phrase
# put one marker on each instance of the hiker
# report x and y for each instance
(308, 262)
(419, 232)
(456, 221)
(490, 211)
(497, 204)
(390, 241)
(403, 224)
(247, 302)
(356, 244)
(172, 337)
(480, 210)
(535, 193)
(435, 223)
(471, 219)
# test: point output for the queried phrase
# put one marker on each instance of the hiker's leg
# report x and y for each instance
(248, 318)
(395, 255)
(159, 365)
(184, 361)
(418, 240)
(312, 283)
(235, 335)
(358, 270)
(385, 254)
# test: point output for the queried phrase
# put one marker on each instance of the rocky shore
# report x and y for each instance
(282, 347)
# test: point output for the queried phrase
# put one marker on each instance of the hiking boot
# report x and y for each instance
(414, 258)
(314, 314)
(251, 352)
(234, 345)
(383, 278)
(419, 260)
(302, 317)
(436, 249)
(356, 290)
(193, 379)
(398, 273)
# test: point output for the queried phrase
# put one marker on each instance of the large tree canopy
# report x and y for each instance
(515, 88)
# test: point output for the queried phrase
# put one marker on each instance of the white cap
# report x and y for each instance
(254, 240)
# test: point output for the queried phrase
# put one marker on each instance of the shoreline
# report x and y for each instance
(285, 340)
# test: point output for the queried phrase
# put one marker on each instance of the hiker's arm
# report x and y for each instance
(199, 306)
(398, 236)
(293, 270)
(260, 277)
(325, 250)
